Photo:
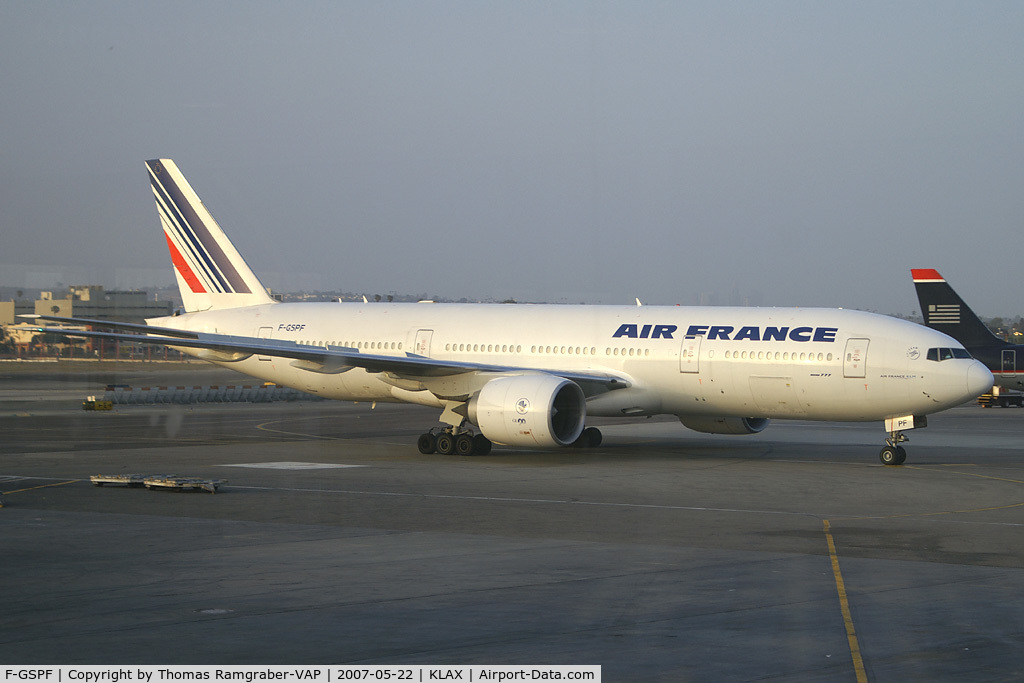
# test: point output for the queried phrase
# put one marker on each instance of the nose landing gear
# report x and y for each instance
(893, 453)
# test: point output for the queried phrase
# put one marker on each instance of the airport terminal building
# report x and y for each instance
(80, 301)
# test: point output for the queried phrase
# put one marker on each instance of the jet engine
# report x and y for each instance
(725, 425)
(530, 410)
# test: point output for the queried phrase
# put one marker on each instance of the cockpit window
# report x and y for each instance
(946, 354)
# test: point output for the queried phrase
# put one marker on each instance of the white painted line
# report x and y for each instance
(292, 465)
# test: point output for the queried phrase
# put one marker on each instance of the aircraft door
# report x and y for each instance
(264, 333)
(689, 355)
(856, 359)
(421, 347)
(1009, 362)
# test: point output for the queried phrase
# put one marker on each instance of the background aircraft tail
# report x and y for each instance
(945, 311)
(210, 271)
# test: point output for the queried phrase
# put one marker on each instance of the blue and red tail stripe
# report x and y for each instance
(204, 265)
(183, 268)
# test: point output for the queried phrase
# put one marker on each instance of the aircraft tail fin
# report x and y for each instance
(945, 311)
(209, 270)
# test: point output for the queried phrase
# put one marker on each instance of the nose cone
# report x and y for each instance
(979, 379)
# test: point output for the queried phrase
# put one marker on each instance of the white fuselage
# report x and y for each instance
(824, 364)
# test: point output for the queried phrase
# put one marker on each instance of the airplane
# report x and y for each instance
(529, 376)
(945, 311)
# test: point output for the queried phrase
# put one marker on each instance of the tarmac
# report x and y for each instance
(664, 554)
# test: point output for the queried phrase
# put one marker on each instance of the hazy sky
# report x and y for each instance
(801, 153)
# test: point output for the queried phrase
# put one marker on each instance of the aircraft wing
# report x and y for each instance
(320, 359)
(114, 325)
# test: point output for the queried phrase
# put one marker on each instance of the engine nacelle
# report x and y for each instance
(725, 425)
(530, 410)
(213, 355)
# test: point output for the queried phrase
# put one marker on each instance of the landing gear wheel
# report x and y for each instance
(427, 443)
(893, 455)
(464, 444)
(445, 443)
(481, 445)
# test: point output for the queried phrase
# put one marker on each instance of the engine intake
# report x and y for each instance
(530, 410)
(725, 425)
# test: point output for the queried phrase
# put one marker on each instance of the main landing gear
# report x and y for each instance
(893, 453)
(448, 442)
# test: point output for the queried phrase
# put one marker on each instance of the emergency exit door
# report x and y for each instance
(855, 359)
(689, 355)
(422, 344)
(1009, 365)
(264, 333)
